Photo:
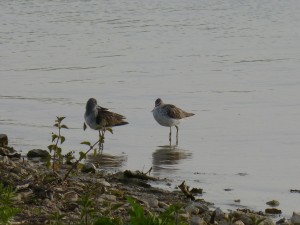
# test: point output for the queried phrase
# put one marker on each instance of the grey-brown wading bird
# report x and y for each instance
(99, 118)
(169, 115)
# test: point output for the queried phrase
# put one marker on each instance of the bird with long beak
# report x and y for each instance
(101, 119)
(169, 115)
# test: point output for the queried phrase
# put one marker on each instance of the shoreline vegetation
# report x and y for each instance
(63, 190)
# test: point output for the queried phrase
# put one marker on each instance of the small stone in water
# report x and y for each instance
(273, 203)
(273, 211)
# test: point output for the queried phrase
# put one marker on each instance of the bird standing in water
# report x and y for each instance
(99, 118)
(169, 115)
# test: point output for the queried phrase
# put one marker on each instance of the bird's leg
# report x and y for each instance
(100, 140)
(177, 128)
(170, 135)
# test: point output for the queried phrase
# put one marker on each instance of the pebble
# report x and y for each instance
(71, 196)
(163, 205)
(104, 183)
(239, 222)
(152, 202)
(109, 197)
(196, 220)
(191, 209)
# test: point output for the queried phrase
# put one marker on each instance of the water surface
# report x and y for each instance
(235, 64)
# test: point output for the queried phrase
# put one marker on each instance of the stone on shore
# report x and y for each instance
(34, 153)
(88, 168)
(3, 140)
(295, 218)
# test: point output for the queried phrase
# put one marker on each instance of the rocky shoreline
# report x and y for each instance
(42, 197)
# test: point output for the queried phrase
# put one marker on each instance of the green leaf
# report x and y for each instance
(55, 125)
(51, 147)
(60, 118)
(54, 136)
(86, 143)
(62, 139)
(64, 126)
(82, 155)
(58, 150)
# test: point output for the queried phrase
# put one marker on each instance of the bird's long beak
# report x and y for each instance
(84, 126)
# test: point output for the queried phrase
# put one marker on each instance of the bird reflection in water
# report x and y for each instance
(106, 160)
(167, 157)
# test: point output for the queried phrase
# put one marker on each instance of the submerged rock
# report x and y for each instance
(273, 203)
(38, 153)
(273, 211)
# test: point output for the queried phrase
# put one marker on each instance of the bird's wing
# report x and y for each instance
(173, 111)
(110, 119)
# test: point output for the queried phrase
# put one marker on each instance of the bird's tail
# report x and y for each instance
(121, 123)
(188, 114)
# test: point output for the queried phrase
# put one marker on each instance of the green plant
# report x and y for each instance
(57, 139)
(107, 221)
(254, 220)
(82, 155)
(55, 218)
(138, 216)
(231, 219)
(86, 209)
(7, 211)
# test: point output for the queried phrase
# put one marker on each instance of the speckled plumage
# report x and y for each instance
(98, 117)
(169, 115)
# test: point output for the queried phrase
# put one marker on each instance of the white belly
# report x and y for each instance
(91, 121)
(163, 119)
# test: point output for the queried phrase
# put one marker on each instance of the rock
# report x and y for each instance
(4, 151)
(104, 183)
(197, 191)
(217, 215)
(201, 206)
(283, 221)
(273, 211)
(273, 203)
(9, 152)
(191, 209)
(295, 218)
(71, 196)
(88, 168)
(105, 198)
(111, 198)
(163, 205)
(3, 140)
(238, 222)
(196, 220)
(152, 202)
(38, 153)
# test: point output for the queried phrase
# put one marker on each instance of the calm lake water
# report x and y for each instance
(234, 63)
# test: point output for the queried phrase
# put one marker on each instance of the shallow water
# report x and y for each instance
(235, 64)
